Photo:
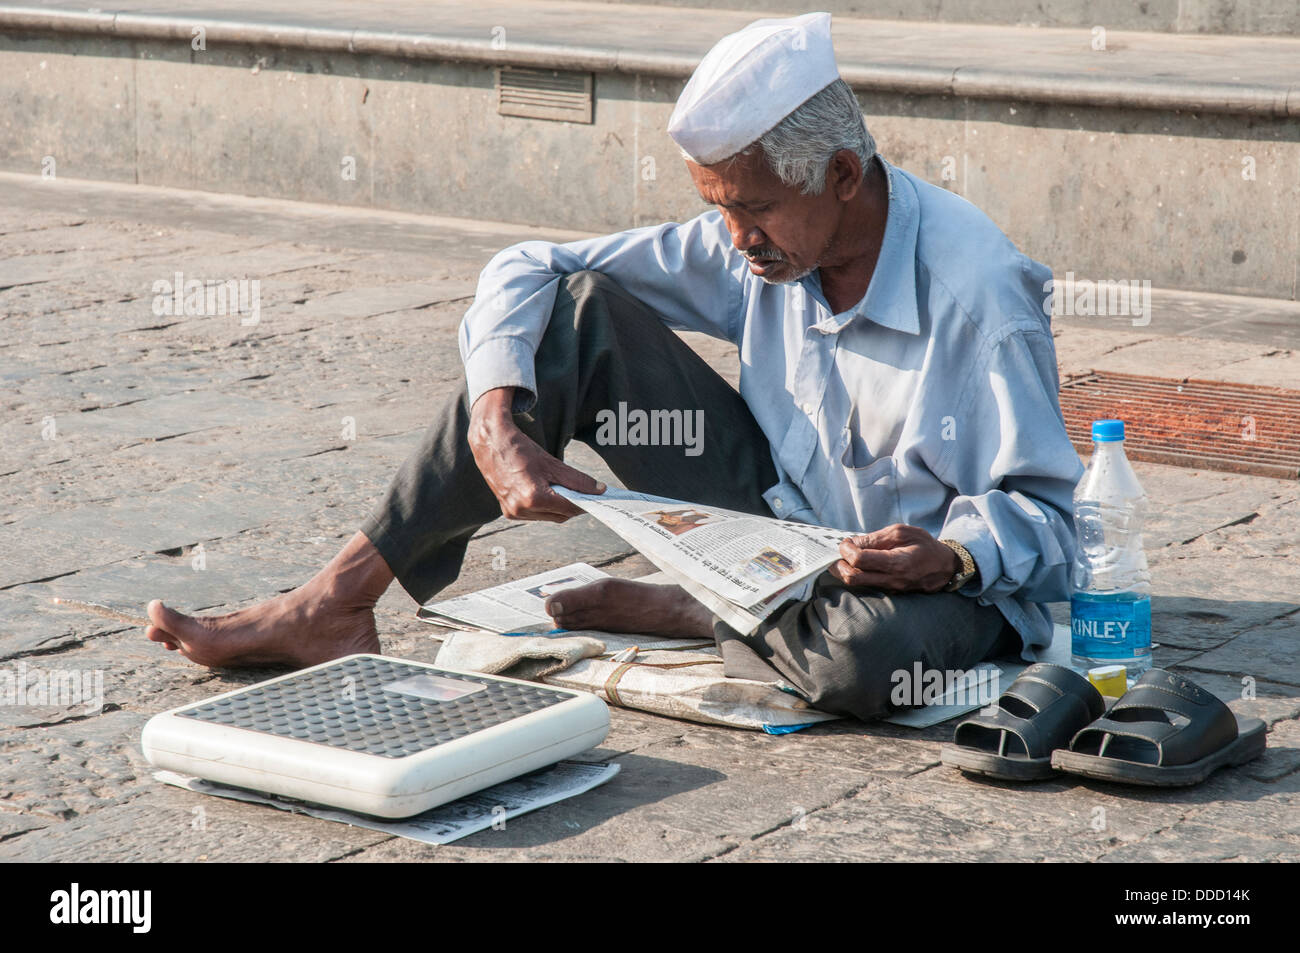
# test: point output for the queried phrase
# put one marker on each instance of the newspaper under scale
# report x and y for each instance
(741, 566)
(491, 807)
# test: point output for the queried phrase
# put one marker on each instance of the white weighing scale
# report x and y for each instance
(376, 735)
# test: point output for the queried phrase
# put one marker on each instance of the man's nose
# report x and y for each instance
(745, 234)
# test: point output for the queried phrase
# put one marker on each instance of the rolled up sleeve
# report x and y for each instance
(1015, 474)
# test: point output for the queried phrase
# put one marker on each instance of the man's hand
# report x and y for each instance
(897, 558)
(518, 471)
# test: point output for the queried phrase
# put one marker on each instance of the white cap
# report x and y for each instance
(749, 82)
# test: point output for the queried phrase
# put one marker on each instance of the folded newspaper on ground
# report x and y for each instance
(517, 606)
(491, 807)
(741, 566)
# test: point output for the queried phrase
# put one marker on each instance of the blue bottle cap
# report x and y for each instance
(1107, 431)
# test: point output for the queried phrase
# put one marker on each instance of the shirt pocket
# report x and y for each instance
(873, 484)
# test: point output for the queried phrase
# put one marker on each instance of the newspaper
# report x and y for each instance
(491, 807)
(741, 566)
(517, 606)
(742, 620)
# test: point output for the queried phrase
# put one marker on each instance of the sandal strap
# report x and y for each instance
(1002, 720)
(1156, 732)
(1063, 701)
(1042, 684)
(1210, 726)
(1165, 691)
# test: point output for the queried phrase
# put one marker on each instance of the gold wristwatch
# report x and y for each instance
(968, 569)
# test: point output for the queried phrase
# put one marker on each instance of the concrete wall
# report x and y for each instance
(1166, 16)
(1105, 193)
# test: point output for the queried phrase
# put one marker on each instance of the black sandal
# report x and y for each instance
(1164, 732)
(1039, 712)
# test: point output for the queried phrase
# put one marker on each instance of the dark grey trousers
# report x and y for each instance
(602, 346)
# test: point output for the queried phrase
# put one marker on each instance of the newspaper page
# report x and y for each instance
(491, 807)
(744, 621)
(743, 558)
(517, 606)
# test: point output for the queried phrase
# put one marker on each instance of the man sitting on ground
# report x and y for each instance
(898, 377)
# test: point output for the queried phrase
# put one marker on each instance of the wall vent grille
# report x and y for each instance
(545, 94)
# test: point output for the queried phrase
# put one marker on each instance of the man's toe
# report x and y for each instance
(172, 624)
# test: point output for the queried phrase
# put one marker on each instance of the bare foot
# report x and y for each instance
(330, 616)
(621, 605)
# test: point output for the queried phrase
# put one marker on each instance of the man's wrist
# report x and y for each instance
(494, 405)
(966, 569)
(490, 419)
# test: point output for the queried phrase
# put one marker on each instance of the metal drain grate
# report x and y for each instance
(1240, 428)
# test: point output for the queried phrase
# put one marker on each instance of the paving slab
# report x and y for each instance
(193, 580)
(1282, 759)
(32, 626)
(1269, 652)
(179, 517)
(941, 815)
(167, 826)
(888, 831)
(1194, 623)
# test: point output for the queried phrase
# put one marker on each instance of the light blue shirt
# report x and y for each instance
(932, 401)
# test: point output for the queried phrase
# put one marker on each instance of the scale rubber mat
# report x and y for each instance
(354, 705)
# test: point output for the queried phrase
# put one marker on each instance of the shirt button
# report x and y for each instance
(807, 408)
(777, 503)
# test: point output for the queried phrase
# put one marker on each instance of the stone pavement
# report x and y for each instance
(214, 464)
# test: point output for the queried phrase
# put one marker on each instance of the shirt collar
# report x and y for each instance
(890, 300)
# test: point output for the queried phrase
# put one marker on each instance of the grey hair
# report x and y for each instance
(799, 148)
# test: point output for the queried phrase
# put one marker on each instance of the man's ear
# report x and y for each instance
(844, 174)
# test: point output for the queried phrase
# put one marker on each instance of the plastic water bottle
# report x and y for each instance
(1110, 611)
